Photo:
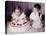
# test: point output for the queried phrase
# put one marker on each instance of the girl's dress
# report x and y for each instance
(18, 20)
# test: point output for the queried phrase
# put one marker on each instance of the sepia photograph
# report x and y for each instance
(24, 17)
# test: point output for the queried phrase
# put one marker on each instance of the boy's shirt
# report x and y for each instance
(36, 20)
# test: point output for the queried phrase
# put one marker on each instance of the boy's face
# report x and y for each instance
(35, 9)
(17, 12)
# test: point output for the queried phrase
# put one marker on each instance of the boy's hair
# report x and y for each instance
(38, 6)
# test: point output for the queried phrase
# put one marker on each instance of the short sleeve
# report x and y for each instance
(32, 16)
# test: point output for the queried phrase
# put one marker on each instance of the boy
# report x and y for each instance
(34, 17)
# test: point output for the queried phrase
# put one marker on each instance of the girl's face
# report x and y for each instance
(17, 12)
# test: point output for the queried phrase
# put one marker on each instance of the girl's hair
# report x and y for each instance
(17, 7)
(38, 6)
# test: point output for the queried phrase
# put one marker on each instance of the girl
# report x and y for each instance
(19, 22)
